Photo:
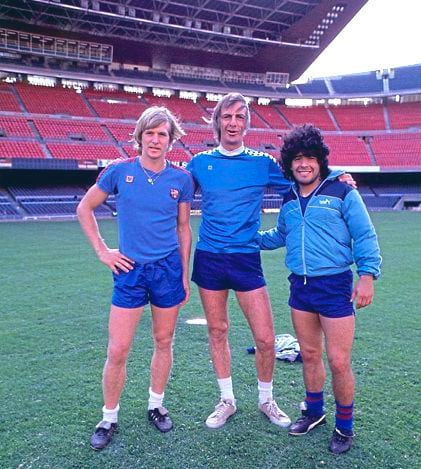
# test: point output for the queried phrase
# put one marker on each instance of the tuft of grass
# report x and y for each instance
(54, 308)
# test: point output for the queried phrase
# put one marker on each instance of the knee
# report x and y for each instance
(339, 364)
(117, 354)
(218, 331)
(311, 355)
(163, 342)
(266, 343)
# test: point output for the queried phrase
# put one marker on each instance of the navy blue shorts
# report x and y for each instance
(327, 295)
(232, 271)
(159, 283)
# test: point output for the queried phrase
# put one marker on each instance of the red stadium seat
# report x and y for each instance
(8, 101)
(121, 132)
(359, 117)
(15, 127)
(347, 150)
(44, 100)
(117, 110)
(17, 149)
(405, 115)
(271, 115)
(67, 129)
(397, 150)
(186, 110)
(317, 115)
(79, 151)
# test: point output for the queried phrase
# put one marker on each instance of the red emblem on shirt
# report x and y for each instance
(129, 178)
(174, 193)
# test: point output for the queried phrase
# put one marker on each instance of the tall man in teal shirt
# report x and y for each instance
(233, 180)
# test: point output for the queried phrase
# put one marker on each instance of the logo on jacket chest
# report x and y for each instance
(324, 201)
(174, 193)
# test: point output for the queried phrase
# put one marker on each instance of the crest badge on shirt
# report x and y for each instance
(129, 178)
(174, 193)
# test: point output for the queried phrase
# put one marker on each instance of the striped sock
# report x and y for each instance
(344, 418)
(315, 403)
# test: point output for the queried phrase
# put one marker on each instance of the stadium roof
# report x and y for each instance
(245, 35)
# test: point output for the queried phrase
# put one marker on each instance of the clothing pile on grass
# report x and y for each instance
(287, 348)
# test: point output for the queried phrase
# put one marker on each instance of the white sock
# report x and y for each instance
(155, 400)
(265, 391)
(225, 386)
(110, 415)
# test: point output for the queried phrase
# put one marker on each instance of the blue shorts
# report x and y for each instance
(327, 295)
(159, 283)
(236, 271)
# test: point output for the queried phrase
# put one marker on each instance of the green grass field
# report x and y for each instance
(53, 316)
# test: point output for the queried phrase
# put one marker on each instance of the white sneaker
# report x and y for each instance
(223, 411)
(274, 413)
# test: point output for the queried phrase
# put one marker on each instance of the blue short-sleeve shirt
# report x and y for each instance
(147, 213)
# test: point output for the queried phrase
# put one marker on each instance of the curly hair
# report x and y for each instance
(307, 140)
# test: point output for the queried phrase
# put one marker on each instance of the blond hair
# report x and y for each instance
(153, 117)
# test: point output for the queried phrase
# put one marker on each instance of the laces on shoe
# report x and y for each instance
(100, 431)
(159, 414)
(272, 408)
(220, 407)
(340, 437)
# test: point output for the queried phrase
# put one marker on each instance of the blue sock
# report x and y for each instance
(344, 418)
(315, 403)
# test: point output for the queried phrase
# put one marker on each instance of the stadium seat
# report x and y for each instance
(79, 151)
(15, 127)
(317, 115)
(70, 129)
(44, 100)
(397, 150)
(18, 149)
(355, 117)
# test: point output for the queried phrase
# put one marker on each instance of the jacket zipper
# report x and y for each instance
(303, 257)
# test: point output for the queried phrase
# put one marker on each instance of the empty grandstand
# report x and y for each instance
(65, 113)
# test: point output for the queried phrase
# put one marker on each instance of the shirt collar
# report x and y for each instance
(226, 152)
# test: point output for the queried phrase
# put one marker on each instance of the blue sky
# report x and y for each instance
(383, 34)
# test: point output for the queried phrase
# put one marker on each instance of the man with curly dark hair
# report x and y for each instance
(233, 180)
(325, 227)
(306, 140)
